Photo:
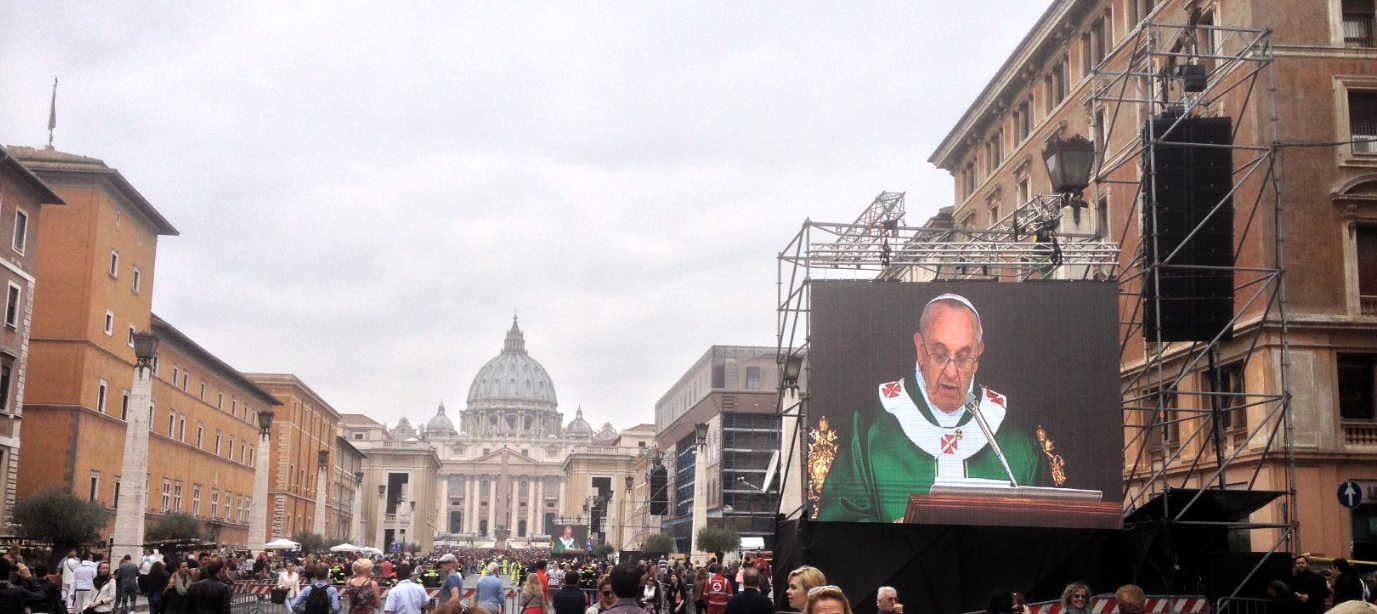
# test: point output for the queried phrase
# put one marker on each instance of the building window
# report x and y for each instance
(220, 400)
(195, 499)
(12, 307)
(117, 493)
(200, 436)
(177, 498)
(968, 179)
(358, 436)
(752, 378)
(214, 504)
(21, 231)
(186, 377)
(1366, 241)
(1358, 20)
(171, 423)
(230, 450)
(167, 495)
(124, 405)
(250, 457)
(6, 372)
(175, 371)
(1165, 422)
(138, 280)
(95, 486)
(1362, 121)
(114, 263)
(217, 443)
(1355, 386)
(102, 390)
(1102, 218)
(109, 323)
(1055, 86)
(1023, 120)
(202, 395)
(181, 428)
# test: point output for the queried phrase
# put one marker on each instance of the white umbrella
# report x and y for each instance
(371, 551)
(345, 547)
(281, 543)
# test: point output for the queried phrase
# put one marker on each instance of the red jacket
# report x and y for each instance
(717, 591)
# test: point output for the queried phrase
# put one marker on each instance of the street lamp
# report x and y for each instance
(793, 366)
(133, 499)
(1069, 162)
(700, 434)
(258, 512)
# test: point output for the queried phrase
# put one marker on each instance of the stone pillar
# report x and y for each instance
(411, 536)
(533, 506)
(492, 505)
(356, 531)
(382, 513)
(258, 513)
(133, 500)
(700, 503)
(470, 508)
(560, 505)
(322, 491)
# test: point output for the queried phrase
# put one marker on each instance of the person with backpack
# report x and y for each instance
(319, 597)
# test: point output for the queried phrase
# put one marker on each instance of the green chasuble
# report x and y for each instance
(897, 448)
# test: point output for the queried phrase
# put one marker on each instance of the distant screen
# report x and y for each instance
(895, 412)
(571, 538)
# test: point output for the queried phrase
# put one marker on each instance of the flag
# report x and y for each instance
(52, 107)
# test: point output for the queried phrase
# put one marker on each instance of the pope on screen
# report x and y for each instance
(917, 431)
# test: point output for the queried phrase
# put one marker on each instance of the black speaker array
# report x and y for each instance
(659, 491)
(1189, 173)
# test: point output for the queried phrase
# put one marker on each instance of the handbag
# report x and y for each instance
(279, 596)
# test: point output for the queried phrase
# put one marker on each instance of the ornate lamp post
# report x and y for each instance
(1069, 163)
(700, 502)
(382, 509)
(258, 510)
(356, 531)
(322, 488)
(133, 499)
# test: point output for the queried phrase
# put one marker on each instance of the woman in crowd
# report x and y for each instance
(700, 579)
(801, 581)
(289, 580)
(675, 595)
(1076, 598)
(532, 598)
(50, 586)
(104, 600)
(826, 600)
(651, 597)
(174, 595)
(156, 581)
(361, 591)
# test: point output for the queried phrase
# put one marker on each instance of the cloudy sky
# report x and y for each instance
(367, 194)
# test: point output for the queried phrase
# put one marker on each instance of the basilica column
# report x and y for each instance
(470, 512)
(559, 506)
(443, 511)
(492, 506)
(533, 498)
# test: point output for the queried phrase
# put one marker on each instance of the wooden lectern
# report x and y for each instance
(1069, 508)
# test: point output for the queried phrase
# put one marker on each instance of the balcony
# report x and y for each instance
(1360, 435)
(1367, 305)
(1364, 137)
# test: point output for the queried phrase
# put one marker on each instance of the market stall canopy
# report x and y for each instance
(345, 547)
(281, 543)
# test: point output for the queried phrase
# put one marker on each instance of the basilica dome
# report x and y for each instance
(513, 378)
(440, 425)
(578, 427)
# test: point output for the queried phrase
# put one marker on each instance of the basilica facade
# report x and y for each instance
(506, 471)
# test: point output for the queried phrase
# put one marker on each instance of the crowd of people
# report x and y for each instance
(404, 584)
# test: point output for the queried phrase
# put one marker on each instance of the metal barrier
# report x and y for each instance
(249, 603)
(1241, 605)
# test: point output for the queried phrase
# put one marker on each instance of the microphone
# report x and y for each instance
(973, 405)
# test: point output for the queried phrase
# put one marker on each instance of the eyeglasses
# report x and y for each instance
(961, 364)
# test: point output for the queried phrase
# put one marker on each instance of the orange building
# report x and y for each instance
(22, 195)
(98, 268)
(303, 429)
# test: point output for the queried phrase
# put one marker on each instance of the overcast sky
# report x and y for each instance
(365, 195)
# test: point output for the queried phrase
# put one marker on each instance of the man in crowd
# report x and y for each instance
(887, 601)
(489, 591)
(453, 584)
(717, 591)
(750, 600)
(407, 597)
(606, 596)
(1310, 588)
(67, 567)
(569, 599)
(126, 585)
(920, 427)
(626, 583)
(83, 582)
(1131, 599)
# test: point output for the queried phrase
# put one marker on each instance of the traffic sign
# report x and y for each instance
(1350, 494)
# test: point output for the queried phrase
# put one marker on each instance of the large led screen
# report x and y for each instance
(965, 402)
(569, 539)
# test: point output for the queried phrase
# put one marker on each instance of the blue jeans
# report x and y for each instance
(126, 596)
(155, 600)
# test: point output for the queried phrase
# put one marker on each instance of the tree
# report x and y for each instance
(657, 545)
(310, 542)
(604, 549)
(183, 527)
(60, 518)
(718, 540)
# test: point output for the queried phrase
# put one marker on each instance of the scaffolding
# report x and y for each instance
(1178, 434)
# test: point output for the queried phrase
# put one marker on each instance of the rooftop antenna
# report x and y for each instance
(52, 115)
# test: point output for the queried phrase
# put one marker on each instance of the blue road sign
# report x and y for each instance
(1350, 494)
